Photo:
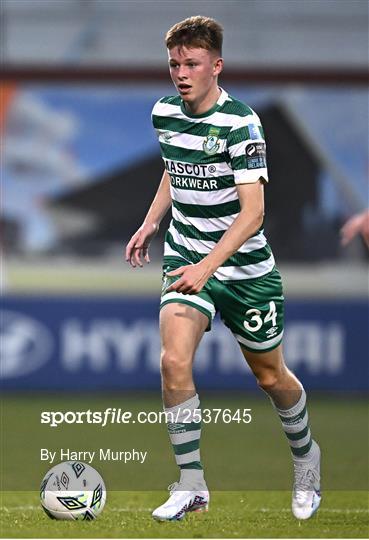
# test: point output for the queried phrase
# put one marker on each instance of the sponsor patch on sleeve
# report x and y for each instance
(255, 156)
(254, 131)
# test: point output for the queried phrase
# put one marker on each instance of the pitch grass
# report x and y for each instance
(237, 457)
(253, 458)
(252, 514)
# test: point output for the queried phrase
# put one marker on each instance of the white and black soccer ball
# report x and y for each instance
(73, 490)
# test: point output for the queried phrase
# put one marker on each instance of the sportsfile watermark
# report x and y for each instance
(112, 415)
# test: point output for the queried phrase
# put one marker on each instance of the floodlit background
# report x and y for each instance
(80, 165)
(80, 158)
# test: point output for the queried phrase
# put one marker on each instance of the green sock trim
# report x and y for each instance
(293, 419)
(185, 448)
(192, 465)
(297, 436)
(303, 450)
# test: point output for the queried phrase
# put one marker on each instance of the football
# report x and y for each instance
(72, 490)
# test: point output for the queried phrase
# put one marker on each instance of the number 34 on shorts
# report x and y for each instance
(256, 315)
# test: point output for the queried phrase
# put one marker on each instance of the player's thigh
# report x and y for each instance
(183, 319)
(254, 310)
(266, 366)
(181, 329)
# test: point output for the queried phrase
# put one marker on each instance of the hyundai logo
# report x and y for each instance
(25, 344)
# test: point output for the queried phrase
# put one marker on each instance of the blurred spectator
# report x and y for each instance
(357, 224)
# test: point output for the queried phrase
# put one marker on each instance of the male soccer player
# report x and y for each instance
(216, 258)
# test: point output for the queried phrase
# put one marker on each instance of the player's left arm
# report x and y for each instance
(247, 223)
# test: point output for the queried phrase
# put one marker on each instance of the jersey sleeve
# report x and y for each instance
(154, 113)
(246, 149)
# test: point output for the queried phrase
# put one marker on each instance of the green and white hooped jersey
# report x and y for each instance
(206, 156)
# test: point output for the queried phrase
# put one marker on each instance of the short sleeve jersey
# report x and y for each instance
(206, 156)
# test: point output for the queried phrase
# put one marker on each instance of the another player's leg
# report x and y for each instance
(289, 399)
(181, 328)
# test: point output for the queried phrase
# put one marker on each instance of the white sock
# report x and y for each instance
(184, 430)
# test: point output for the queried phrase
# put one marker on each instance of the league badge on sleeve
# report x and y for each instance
(255, 156)
(211, 143)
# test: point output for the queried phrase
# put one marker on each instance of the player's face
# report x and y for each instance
(194, 72)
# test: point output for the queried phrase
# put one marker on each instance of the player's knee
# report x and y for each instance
(173, 367)
(268, 380)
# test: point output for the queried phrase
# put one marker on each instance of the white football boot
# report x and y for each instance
(182, 500)
(306, 495)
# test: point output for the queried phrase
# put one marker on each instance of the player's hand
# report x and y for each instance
(357, 224)
(138, 246)
(192, 278)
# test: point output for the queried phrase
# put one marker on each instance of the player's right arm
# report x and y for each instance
(138, 246)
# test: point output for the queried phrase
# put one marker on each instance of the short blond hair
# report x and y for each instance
(197, 32)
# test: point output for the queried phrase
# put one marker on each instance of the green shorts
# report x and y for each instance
(252, 309)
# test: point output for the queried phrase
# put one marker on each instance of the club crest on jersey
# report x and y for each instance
(211, 143)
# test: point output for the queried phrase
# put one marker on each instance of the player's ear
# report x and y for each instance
(218, 66)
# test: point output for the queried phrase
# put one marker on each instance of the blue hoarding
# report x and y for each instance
(79, 343)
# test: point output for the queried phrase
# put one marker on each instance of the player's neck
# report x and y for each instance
(206, 103)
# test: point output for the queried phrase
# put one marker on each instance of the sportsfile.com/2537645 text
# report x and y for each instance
(119, 416)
